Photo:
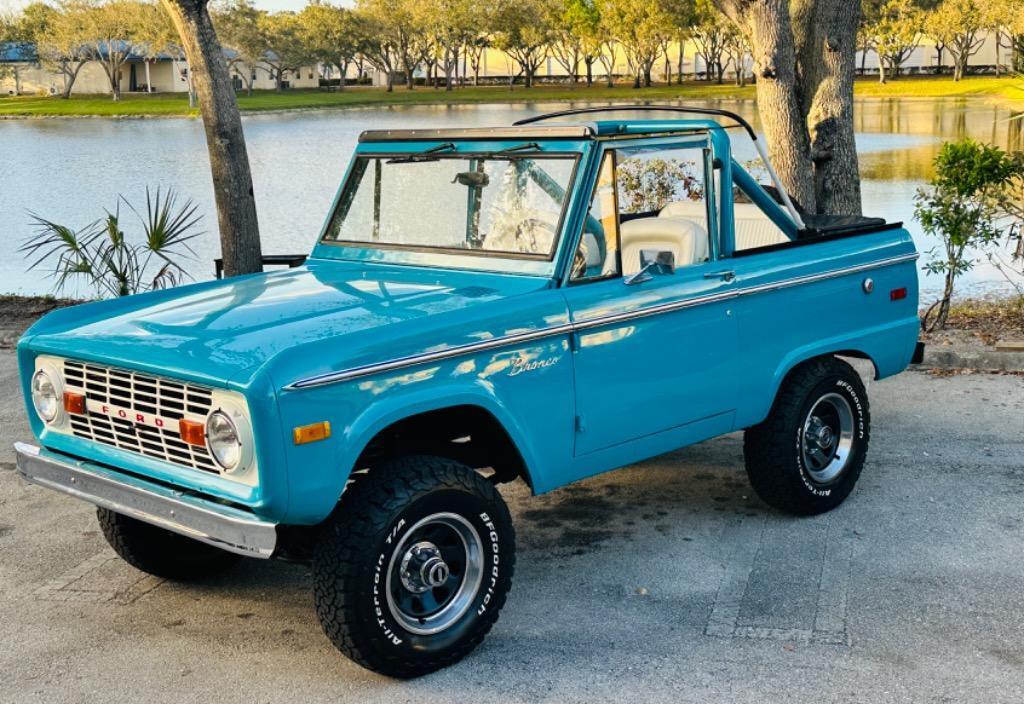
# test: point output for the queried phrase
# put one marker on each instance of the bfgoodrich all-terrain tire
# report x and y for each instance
(161, 552)
(413, 567)
(806, 456)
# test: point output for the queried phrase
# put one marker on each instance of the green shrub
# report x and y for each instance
(104, 257)
(963, 207)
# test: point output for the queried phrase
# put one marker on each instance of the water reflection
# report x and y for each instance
(70, 170)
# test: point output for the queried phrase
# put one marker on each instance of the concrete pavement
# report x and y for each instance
(666, 581)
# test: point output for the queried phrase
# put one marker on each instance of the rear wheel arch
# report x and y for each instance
(792, 366)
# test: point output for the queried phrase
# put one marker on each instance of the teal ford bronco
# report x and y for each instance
(540, 303)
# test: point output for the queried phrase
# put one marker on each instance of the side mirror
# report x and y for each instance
(652, 263)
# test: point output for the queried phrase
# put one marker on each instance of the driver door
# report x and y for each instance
(656, 352)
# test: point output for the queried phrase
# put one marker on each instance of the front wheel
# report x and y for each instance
(806, 457)
(412, 569)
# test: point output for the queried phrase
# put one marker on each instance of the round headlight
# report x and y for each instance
(223, 440)
(44, 396)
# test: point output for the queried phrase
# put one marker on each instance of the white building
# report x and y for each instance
(164, 73)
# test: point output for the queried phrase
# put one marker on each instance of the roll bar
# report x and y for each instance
(714, 112)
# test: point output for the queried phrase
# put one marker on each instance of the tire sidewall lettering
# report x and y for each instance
(849, 391)
(394, 634)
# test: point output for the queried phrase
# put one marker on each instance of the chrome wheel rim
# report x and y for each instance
(827, 439)
(435, 573)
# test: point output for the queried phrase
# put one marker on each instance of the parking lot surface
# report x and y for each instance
(667, 581)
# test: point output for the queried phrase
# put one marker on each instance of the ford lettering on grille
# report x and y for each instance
(139, 412)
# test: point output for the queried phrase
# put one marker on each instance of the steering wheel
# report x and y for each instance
(528, 234)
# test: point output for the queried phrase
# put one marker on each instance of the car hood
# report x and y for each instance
(226, 331)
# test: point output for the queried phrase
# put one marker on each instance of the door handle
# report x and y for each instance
(726, 276)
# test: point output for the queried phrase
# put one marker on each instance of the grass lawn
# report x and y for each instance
(1002, 89)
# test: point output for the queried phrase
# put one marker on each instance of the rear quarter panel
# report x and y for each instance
(779, 329)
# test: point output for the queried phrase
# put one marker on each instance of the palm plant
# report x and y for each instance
(103, 256)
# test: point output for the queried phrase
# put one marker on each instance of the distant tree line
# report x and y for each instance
(957, 28)
(445, 40)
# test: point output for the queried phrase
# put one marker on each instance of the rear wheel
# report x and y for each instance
(412, 569)
(806, 457)
(161, 552)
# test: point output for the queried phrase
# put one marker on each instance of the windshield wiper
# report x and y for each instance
(518, 148)
(422, 156)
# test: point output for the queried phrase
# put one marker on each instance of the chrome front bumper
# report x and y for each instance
(225, 527)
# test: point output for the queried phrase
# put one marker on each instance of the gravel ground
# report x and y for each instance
(666, 581)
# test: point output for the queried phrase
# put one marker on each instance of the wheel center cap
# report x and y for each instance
(825, 437)
(423, 568)
(434, 572)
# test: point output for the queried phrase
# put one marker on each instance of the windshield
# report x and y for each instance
(509, 204)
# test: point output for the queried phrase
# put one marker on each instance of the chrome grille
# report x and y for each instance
(142, 393)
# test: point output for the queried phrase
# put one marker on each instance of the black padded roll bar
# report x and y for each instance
(715, 112)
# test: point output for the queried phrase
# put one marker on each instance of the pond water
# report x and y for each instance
(69, 171)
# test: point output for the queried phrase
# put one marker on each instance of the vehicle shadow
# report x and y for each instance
(636, 550)
(704, 481)
(633, 514)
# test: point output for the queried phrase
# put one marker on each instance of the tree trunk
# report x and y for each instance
(112, 70)
(68, 82)
(590, 72)
(225, 140)
(944, 304)
(825, 33)
(407, 64)
(768, 25)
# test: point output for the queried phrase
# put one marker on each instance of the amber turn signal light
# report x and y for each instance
(192, 432)
(311, 432)
(74, 403)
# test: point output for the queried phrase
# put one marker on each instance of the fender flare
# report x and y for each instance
(387, 411)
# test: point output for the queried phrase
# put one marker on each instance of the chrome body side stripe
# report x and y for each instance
(566, 328)
(427, 357)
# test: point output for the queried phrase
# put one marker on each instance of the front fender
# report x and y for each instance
(535, 410)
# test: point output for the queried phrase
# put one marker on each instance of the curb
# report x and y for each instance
(971, 356)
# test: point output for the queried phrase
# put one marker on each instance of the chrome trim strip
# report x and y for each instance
(566, 328)
(222, 526)
(628, 315)
(427, 357)
(824, 276)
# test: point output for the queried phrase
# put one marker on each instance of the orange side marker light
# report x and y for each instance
(192, 432)
(74, 403)
(311, 432)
